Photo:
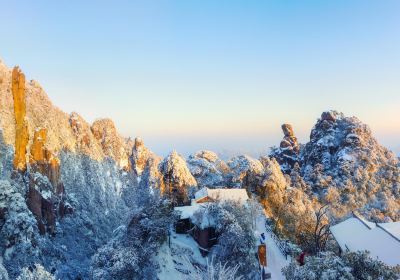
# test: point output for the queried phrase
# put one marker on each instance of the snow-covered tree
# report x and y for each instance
(35, 272)
(328, 266)
(208, 170)
(177, 178)
(130, 255)
(3, 271)
(365, 267)
(212, 271)
(236, 240)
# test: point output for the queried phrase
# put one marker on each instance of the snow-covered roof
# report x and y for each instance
(381, 240)
(392, 228)
(187, 211)
(239, 195)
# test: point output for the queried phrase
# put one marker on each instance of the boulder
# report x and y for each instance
(287, 130)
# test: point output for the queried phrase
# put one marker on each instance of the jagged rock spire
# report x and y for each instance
(21, 127)
(288, 151)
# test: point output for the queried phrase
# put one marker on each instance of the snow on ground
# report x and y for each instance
(275, 260)
(172, 259)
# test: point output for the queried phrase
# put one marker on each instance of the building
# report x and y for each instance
(221, 194)
(193, 218)
(382, 240)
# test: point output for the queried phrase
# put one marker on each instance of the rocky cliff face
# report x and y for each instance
(44, 196)
(71, 183)
(21, 126)
(64, 131)
(44, 161)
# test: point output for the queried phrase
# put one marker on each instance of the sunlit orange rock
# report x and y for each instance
(37, 148)
(21, 127)
(43, 161)
(46, 208)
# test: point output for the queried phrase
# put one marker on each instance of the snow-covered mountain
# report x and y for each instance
(345, 166)
(70, 191)
(208, 169)
(342, 156)
(79, 201)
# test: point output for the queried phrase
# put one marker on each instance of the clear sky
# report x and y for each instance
(219, 75)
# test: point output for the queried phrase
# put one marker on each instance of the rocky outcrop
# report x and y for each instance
(46, 195)
(177, 178)
(141, 157)
(21, 126)
(43, 211)
(145, 165)
(62, 128)
(81, 131)
(246, 172)
(43, 204)
(343, 157)
(288, 151)
(208, 169)
(44, 161)
(113, 145)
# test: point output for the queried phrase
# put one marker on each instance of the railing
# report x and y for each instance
(282, 245)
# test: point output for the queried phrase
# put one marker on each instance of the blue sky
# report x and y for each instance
(219, 75)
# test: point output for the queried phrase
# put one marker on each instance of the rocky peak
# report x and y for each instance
(138, 143)
(207, 155)
(104, 130)
(329, 116)
(113, 145)
(287, 130)
(177, 177)
(245, 172)
(288, 151)
(208, 169)
(342, 154)
(64, 131)
(336, 138)
(141, 157)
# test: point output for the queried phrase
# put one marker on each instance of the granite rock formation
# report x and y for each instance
(288, 151)
(21, 126)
